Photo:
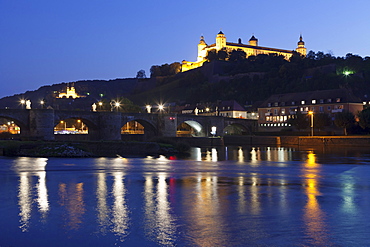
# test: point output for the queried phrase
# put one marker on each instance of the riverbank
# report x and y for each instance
(298, 140)
(86, 149)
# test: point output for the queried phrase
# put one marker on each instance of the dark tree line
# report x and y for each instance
(165, 69)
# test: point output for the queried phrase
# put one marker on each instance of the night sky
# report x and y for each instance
(43, 42)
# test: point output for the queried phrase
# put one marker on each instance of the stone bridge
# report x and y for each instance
(38, 124)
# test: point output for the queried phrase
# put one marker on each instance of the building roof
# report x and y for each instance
(327, 96)
(258, 47)
(230, 105)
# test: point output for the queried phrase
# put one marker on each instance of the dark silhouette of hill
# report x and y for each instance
(257, 77)
(245, 80)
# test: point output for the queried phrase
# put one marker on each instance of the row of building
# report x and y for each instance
(274, 113)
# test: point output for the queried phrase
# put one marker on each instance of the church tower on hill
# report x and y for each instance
(250, 49)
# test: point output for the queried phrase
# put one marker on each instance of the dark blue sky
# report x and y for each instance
(44, 42)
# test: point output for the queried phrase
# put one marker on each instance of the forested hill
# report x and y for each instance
(245, 80)
(256, 78)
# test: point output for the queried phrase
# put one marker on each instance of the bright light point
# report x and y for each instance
(347, 73)
(42, 102)
(310, 112)
(23, 101)
(207, 109)
(160, 107)
(117, 104)
(100, 103)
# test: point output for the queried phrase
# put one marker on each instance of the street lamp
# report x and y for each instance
(311, 113)
(117, 104)
(100, 104)
(22, 103)
(42, 104)
(161, 107)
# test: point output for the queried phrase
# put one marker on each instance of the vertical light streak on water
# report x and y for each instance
(242, 200)
(42, 191)
(102, 207)
(240, 155)
(254, 195)
(268, 154)
(214, 155)
(206, 217)
(165, 222)
(159, 223)
(348, 194)
(120, 214)
(316, 228)
(149, 206)
(198, 154)
(24, 200)
(71, 197)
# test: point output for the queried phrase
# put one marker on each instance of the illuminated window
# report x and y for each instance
(337, 100)
(313, 101)
(303, 102)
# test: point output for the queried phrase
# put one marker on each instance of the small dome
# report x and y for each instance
(253, 38)
(300, 42)
(220, 32)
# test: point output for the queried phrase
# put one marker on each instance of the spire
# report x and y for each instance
(300, 42)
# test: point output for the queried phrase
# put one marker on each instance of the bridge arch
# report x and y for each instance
(137, 126)
(87, 122)
(237, 129)
(190, 128)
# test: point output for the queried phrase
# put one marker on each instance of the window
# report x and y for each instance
(329, 100)
(293, 102)
(313, 101)
(276, 104)
(303, 102)
(283, 111)
(329, 108)
(275, 111)
(282, 103)
(321, 109)
(268, 104)
(337, 100)
(321, 101)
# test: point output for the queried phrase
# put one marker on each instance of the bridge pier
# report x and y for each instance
(41, 125)
(108, 127)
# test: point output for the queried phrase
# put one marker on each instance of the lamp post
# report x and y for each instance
(22, 103)
(311, 113)
(100, 105)
(161, 108)
(42, 104)
(117, 104)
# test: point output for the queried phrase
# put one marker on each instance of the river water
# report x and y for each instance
(229, 196)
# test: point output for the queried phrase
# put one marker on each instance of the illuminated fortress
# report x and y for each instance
(251, 49)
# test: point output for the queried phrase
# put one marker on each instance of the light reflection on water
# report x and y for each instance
(259, 195)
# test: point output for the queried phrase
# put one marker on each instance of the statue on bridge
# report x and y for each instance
(93, 106)
(28, 104)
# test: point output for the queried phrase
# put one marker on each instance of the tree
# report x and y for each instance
(141, 74)
(364, 118)
(321, 120)
(300, 121)
(344, 120)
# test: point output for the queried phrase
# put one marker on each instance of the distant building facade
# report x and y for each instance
(229, 108)
(70, 93)
(251, 49)
(276, 110)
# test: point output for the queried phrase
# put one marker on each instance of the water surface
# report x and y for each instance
(229, 196)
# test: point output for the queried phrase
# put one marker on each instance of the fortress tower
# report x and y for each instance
(251, 49)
